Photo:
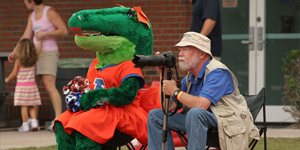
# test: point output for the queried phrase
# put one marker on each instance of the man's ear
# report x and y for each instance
(202, 54)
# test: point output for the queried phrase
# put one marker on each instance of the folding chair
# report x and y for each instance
(255, 104)
(119, 140)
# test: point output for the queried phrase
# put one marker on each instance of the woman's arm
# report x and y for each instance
(57, 21)
(27, 34)
(38, 48)
(28, 31)
(14, 73)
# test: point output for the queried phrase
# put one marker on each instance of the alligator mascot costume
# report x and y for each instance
(123, 32)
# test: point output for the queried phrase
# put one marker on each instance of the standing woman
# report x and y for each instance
(45, 24)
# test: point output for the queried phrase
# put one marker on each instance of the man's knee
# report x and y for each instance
(196, 113)
(154, 114)
(201, 116)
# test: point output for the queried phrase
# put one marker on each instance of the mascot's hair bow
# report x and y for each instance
(140, 14)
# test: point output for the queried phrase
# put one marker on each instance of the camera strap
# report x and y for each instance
(189, 85)
(178, 104)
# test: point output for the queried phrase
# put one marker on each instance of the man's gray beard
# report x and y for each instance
(186, 66)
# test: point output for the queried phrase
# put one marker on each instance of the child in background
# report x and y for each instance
(26, 91)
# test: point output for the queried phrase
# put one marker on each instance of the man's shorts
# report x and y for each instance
(47, 63)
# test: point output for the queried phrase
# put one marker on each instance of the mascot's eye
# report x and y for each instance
(79, 17)
(131, 13)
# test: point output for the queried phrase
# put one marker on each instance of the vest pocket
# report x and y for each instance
(234, 131)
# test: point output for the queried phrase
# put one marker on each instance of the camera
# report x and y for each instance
(166, 59)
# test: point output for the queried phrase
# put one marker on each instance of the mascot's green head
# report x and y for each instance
(118, 32)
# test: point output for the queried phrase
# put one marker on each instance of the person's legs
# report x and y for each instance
(32, 112)
(46, 67)
(37, 80)
(49, 83)
(34, 122)
(24, 115)
(155, 125)
(198, 121)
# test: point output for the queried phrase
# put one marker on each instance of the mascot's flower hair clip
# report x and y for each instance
(140, 14)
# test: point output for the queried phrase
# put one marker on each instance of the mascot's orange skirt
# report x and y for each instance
(99, 124)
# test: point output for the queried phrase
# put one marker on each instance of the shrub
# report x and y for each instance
(291, 98)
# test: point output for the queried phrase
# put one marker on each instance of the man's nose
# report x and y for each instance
(180, 53)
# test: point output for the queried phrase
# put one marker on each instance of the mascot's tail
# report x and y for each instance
(150, 97)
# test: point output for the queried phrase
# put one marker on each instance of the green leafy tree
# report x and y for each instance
(291, 99)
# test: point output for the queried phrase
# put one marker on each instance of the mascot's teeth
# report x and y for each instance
(91, 34)
(97, 34)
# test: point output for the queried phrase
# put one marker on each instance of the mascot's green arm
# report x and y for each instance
(118, 96)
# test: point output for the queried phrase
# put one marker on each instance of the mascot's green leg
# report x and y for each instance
(63, 139)
(84, 143)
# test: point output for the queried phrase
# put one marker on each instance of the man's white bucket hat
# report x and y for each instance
(197, 40)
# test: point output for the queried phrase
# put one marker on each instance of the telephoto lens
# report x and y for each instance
(165, 59)
(153, 60)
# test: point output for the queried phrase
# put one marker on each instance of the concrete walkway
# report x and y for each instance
(11, 138)
(15, 139)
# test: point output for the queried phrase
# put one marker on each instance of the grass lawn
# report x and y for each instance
(273, 144)
(279, 144)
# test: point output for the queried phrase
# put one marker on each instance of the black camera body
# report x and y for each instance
(166, 59)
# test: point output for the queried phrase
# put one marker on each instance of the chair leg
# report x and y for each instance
(182, 138)
(130, 146)
(265, 138)
(254, 142)
(143, 147)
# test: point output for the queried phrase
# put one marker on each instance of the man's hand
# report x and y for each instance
(169, 87)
